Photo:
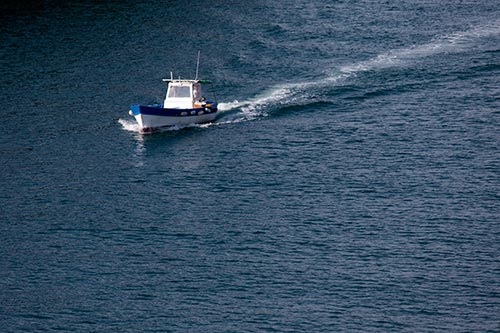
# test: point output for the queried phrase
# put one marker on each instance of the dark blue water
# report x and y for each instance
(351, 183)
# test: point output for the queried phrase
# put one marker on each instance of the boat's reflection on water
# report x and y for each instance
(164, 140)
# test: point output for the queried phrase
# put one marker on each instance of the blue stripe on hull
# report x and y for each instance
(158, 110)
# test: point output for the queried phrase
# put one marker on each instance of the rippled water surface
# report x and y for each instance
(350, 183)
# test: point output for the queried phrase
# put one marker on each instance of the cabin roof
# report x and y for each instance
(186, 81)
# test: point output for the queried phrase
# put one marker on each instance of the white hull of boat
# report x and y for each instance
(149, 122)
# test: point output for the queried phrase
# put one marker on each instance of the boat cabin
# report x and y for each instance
(183, 94)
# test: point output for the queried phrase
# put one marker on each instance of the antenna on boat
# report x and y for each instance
(197, 66)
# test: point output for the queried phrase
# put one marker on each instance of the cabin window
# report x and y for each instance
(179, 91)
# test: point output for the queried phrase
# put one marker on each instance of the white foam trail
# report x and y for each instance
(255, 107)
(450, 43)
(277, 93)
(223, 107)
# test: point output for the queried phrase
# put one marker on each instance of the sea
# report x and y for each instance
(350, 183)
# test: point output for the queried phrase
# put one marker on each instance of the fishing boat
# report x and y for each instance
(184, 104)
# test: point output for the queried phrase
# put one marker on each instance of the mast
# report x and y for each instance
(197, 66)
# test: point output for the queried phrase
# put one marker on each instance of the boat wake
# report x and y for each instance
(451, 43)
(299, 93)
